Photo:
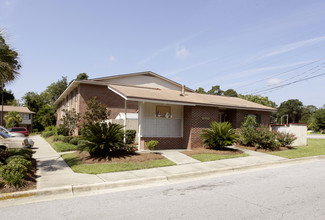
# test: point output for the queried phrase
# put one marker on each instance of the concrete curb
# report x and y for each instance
(76, 189)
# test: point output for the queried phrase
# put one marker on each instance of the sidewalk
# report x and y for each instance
(54, 172)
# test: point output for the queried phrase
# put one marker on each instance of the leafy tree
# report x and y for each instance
(200, 90)
(82, 76)
(231, 93)
(8, 96)
(307, 113)
(13, 119)
(96, 111)
(263, 100)
(70, 121)
(9, 64)
(293, 108)
(54, 90)
(219, 135)
(248, 130)
(215, 90)
(319, 116)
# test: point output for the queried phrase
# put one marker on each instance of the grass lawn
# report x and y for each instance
(315, 147)
(211, 157)
(77, 165)
(61, 146)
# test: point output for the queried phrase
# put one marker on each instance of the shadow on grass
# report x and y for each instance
(224, 149)
(72, 161)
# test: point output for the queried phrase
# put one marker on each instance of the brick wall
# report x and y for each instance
(197, 118)
(114, 102)
(164, 143)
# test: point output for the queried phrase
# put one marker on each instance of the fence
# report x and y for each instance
(299, 130)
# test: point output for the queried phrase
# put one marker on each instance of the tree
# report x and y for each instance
(7, 96)
(9, 64)
(231, 93)
(54, 90)
(70, 121)
(96, 111)
(13, 119)
(292, 108)
(307, 113)
(320, 118)
(200, 90)
(263, 100)
(215, 90)
(82, 76)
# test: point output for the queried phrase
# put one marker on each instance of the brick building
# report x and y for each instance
(167, 111)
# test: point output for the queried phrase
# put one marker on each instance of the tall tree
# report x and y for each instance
(320, 118)
(263, 100)
(54, 90)
(231, 93)
(8, 96)
(9, 64)
(292, 108)
(200, 90)
(307, 113)
(82, 76)
(215, 90)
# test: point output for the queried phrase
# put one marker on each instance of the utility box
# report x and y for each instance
(299, 130)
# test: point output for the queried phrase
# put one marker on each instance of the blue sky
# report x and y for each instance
(253, 47)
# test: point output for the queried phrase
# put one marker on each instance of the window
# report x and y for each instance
(163, 111)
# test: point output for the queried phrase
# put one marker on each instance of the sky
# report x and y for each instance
(270, 48)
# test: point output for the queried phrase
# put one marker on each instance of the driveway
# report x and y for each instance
(316, 136)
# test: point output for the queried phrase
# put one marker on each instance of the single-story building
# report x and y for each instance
(26, 114)
(167, 111)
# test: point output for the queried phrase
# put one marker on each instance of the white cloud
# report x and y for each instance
(182, 53)
(274, 81)
(112, 59)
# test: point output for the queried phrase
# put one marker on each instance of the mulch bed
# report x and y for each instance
(224, 151)
(120, 158)
(29, 183)
(263, 150)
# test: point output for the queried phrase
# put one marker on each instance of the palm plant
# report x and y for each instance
(219, 135)
(101, 139)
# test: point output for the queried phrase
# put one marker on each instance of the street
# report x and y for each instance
(289, 192)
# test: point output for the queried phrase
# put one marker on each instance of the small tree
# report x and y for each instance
(248, 130)
(13, 119)
(96, 111)
(70, 121)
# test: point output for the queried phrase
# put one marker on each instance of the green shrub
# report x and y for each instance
(82, 142)
(75, 140)
(63, 131)
(58, 138)
(35, 130)
(47, 134)
(14, 157)
(130, 136)
(266, 139)
(152, 144)
(248, 131)
(21, 161)
(26, 153)
(102, 139)
(219, 135)
(66, 139)
(52, 128)
(12, 176)
(285, 139)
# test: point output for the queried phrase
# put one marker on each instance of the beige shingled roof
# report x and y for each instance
(20, 109)
(137, 93)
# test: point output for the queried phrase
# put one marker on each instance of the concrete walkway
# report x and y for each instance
(54, 172)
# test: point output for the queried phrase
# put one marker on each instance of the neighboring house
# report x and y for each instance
(26, 114)
(167, 111)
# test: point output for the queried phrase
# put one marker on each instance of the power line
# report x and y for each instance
(287, 84)
(320, 67)
(278, 74)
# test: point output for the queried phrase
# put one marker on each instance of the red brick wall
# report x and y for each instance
(197, 118)
(165, 143)
(114, 102)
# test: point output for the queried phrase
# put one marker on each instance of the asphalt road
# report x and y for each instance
(291, 192)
